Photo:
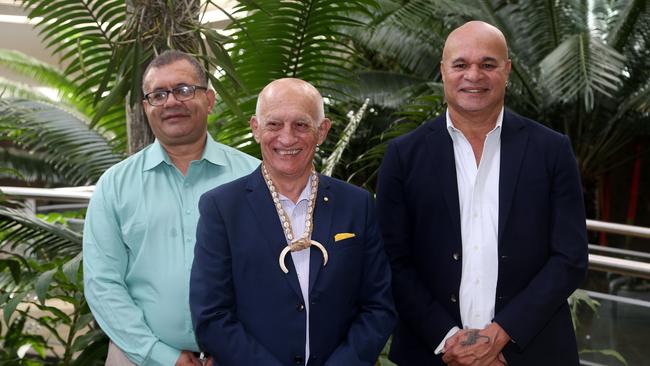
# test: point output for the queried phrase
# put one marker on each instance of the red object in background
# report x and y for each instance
(634, 188)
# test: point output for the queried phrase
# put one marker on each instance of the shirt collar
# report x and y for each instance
(451, 128)
(304, 195)
(156, 154)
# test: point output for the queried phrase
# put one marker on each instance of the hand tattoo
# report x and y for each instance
(472, 337)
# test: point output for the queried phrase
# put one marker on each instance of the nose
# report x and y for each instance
(473, 73)
(287, 136)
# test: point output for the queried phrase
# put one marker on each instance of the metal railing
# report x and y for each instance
(53, 194)
(622, 229)
(624, 266)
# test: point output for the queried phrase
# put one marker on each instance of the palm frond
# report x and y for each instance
(68, 92)
(410, 116)
(83, 33)
(276, 39)
(13, 89)
(582, 65)
(626, 19)
(74, 151)
(26, 233)
(31, 167)
(630, 35)
(385, 89)
(410, 44)
(298, 39)
(41, 72)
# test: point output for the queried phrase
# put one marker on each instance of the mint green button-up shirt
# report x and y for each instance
(138, 247)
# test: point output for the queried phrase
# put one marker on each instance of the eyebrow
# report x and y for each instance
(484, 59)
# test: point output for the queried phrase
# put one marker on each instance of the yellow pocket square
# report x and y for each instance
(343, 236)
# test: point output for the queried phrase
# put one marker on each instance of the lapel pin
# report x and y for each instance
(325, 199)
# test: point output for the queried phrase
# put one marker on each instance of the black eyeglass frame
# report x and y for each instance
(176, 93)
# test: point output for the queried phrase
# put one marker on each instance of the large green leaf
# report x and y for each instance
(581, 66)
(74, 151)
(88, 27)
(275, 39)
(23, 230)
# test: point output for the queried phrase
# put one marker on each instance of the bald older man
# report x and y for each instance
(483, 220)
(289, 265)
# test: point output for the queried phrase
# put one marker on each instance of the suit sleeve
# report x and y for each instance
(376, 317)
(416, 306)
(105, 264)
(531, 309)
(212, 296)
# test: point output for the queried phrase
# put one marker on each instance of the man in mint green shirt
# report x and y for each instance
(140, 227)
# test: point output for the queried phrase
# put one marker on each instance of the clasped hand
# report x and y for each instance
(476, 347)
(187, 358)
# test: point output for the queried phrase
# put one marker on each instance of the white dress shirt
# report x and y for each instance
(478, 195)
(296, 212)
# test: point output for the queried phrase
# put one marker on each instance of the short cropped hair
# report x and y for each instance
(171, 56)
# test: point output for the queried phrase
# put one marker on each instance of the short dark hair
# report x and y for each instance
(171, 56)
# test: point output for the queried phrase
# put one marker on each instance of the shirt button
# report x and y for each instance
(186, 184)
(475, 247)
(475, 215)
(188, 212)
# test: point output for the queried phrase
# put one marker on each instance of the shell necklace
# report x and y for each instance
(305, 240)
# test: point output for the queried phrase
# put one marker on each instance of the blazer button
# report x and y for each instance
(456, 256)
(453, 298)
(298, 360)
(504, 257)
(300, 307)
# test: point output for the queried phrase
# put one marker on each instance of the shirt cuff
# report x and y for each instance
(441, 347)
(162, 355)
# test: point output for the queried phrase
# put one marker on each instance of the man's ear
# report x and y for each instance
(212, 98)
(323, 129)
(255, 128)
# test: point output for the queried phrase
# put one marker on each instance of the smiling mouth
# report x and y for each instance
(288, 152)
(474, 90)
(174, 116)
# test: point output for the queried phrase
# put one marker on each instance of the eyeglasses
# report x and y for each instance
(181, 93)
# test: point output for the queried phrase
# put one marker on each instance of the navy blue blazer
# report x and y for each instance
(542, 241)
(246, 311)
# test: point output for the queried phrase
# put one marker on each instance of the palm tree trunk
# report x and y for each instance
(137, 127)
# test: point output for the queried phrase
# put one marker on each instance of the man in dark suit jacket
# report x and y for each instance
(482, 216)
(325, 299)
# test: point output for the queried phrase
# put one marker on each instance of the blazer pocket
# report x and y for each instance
(343, 236)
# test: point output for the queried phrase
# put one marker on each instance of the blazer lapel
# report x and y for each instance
(261, 204)
(514, 139)
(443, 165)
(322, 228)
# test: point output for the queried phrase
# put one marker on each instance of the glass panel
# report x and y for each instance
(619, 327)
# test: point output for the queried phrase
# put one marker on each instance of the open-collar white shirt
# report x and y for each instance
(478, 195)
(297, 212)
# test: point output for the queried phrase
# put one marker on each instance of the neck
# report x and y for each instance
(474, 125)
(182, 155)
(290, 187)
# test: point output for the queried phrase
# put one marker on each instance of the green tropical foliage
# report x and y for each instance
(581, 67)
